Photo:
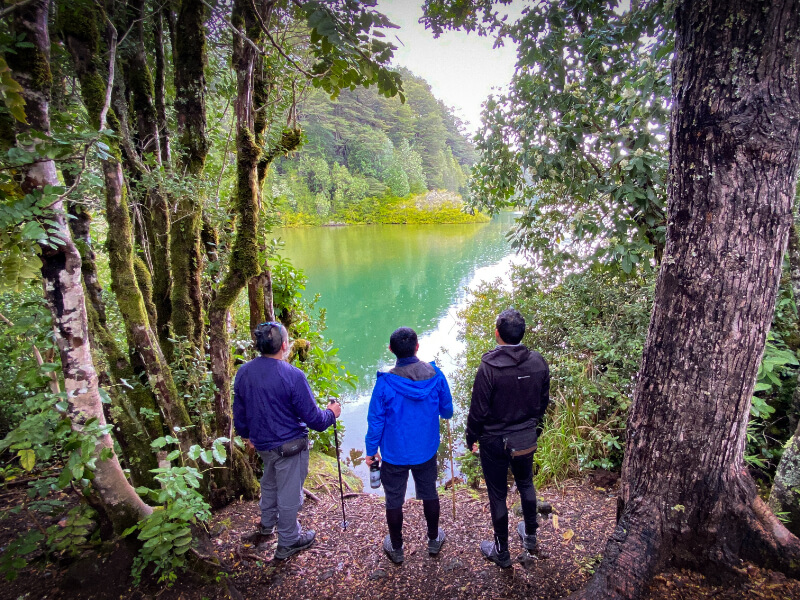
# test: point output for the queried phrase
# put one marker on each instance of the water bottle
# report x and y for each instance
(375, 475)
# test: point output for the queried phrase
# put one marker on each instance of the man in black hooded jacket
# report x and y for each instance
(509, 398)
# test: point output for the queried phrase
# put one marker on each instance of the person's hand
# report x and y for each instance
(334, 407)
(475, 448)
(248, 446)
(371, 459)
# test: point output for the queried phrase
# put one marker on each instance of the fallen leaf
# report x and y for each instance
(568, 535)
(555, 521)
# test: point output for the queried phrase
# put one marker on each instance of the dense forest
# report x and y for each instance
(149, 149)
(364, 146)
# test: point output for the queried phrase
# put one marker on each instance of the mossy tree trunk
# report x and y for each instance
(244, 255)
(61, 274)
(190, 106)
(687, 498)
(78, 23)
(146, 142)
(160, 86)
(134, 429)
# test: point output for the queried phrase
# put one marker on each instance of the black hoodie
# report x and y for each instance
(511, 392)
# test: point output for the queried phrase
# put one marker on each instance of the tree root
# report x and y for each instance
(631, 558)
(740, 528)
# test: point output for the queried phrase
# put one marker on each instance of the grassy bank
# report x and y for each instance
(432, 208)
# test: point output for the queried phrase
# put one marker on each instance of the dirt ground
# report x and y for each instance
(349, 564)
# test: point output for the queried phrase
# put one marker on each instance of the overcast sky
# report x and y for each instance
(462, 69)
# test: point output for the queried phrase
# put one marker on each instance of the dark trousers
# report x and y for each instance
(395, 479)
(495, 462)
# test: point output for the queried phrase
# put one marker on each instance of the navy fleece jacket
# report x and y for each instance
(272, 404)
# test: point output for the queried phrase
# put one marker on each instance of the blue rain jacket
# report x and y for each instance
(403, 418)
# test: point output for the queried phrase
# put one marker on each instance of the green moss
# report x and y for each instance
(321, 466)
(78, 18)
(145, 282)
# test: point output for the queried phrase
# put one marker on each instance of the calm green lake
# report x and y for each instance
(373, 279)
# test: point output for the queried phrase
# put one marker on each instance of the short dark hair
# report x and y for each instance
(403, 342)
(269, 337)
(511, 326)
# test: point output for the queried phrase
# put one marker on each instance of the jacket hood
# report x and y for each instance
(413, 390)
(506, 356)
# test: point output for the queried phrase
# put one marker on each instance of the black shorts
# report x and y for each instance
(394, 479)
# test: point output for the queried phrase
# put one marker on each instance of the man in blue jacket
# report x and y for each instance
(403, 422)
(273, 406)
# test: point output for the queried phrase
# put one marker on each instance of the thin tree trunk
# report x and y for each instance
(185, 247)
(143, 101)
(686, 497)
(61, 274)
(160, 86)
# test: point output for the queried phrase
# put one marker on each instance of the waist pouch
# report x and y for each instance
(292, 447)
(520, 443)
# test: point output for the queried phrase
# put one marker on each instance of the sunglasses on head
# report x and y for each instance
(270, 323)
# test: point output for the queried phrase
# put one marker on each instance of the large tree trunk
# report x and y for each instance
(185, 249)
(78, 22)
(686, 497)
(61, 273)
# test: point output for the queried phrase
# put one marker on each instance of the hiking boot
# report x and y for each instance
(258, 535)
(529, 543)
(396, 556)
(304, 541)
(502, 558)
(434, 545)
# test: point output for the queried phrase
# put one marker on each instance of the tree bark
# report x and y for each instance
(61, 274)
(185, 246)
(686, 497)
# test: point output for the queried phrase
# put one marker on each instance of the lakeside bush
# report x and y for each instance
(432, 208)
(590, 327)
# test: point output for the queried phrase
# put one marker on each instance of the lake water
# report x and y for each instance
(373, 279)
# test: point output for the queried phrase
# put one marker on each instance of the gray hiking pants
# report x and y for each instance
(282, 493)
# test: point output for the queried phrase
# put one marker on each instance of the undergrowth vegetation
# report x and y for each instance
(590, 327)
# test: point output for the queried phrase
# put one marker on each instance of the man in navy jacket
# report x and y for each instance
(403, 421)
(273, 406)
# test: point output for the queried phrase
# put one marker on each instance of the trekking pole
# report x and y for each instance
(339, 466)
(452, 472)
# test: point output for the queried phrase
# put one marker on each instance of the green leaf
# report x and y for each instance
(27, 458)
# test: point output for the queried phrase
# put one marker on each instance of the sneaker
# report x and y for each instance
(434, 545)
(528, 541)
(491, 551)
(304, 541)
(266, 531)
(396, 556)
